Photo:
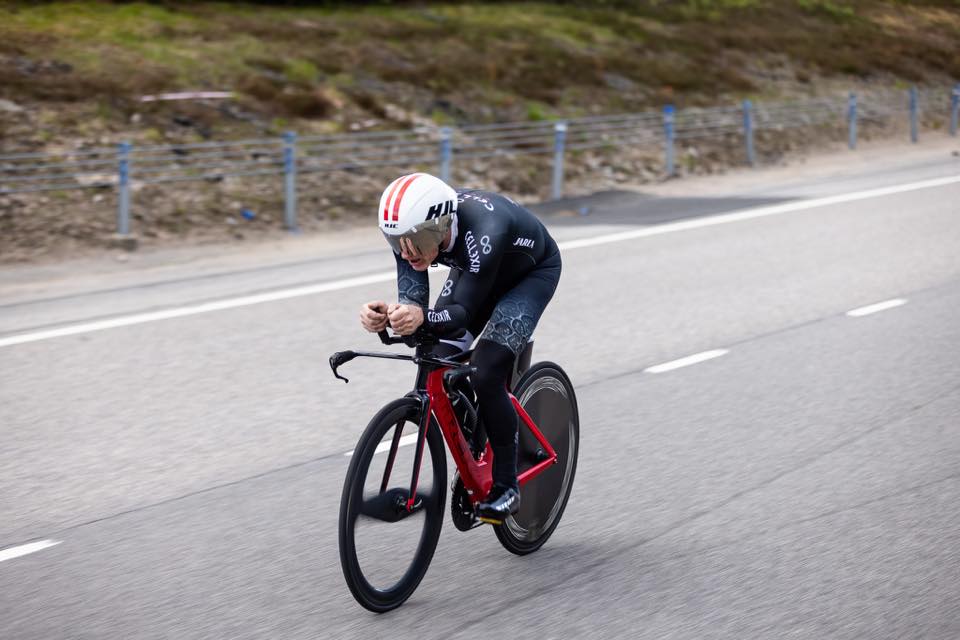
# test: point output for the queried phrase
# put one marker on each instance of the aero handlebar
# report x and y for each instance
(421, 338)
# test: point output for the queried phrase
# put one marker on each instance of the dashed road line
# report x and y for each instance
(296, 292)
(874, 308)
(696, 358)
(384, 446)
(26, 549)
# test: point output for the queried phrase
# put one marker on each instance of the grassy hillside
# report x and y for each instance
(80, 68)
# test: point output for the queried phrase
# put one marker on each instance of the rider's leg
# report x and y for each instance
(511, 326)
(494, 363)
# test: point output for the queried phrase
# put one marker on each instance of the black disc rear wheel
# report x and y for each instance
(546, 394)
(384, 548)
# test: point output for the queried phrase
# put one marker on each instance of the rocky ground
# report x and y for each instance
(55, 224)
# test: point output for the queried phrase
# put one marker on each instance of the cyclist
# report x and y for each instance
(504, 269)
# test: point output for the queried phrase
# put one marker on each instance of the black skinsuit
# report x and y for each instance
(504, 268)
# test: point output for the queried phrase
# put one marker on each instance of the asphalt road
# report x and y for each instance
(802, 484)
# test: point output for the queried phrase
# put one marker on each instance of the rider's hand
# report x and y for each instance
(405, 318)
(373, 316)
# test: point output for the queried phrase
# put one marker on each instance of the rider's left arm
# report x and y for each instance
(413, 296)
(413, 287)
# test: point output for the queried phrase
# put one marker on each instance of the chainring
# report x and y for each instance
(461, 510)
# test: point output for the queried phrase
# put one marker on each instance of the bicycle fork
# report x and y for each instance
(423, 425)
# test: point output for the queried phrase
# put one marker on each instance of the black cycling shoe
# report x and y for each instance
(502, 503)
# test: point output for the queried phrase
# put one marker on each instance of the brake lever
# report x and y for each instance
(339, 359)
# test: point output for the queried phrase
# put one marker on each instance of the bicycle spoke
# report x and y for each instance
(394, 445)
(418, 454)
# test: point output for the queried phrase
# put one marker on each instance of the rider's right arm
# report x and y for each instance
(413, 287)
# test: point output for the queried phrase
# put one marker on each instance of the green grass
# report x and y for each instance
(301, 71)
(524, 59)
(834, 11)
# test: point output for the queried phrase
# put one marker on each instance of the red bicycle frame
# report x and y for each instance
(476, 474)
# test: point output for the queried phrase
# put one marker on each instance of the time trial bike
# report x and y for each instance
(390, 520)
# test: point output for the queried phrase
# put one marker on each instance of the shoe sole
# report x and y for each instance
(490, 520)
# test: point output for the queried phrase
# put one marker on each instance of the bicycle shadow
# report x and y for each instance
(586, 574)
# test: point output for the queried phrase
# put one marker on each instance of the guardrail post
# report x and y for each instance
(914, 128)
(290, 180)
(123, 185)
(668, 122)
(446, 153)
(852, 120)
(559, 142)
(748, 131)
(954, 109)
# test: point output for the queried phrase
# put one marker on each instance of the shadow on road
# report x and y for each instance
(633, 208)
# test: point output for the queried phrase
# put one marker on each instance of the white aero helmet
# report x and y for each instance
(419, 207)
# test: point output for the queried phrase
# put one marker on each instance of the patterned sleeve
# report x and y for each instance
(413, 287)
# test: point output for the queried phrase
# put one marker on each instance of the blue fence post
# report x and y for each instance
(290, 180)
(914, 128)
(446, 153)
(954, 109)
(748, 131)
(559, 142)
(668, 132)
(852, 120)
(123, 184)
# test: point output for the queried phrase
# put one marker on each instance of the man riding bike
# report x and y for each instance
(504, 269)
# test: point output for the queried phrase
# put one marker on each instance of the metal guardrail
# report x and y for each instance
(121, 166)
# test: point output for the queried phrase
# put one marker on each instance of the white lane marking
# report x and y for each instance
(385, 446)
(874, 308)
(206, 307)
(686, 362)
(285, 294)
(24, 549)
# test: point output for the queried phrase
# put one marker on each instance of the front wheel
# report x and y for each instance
(385, 548)
(546, 394)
